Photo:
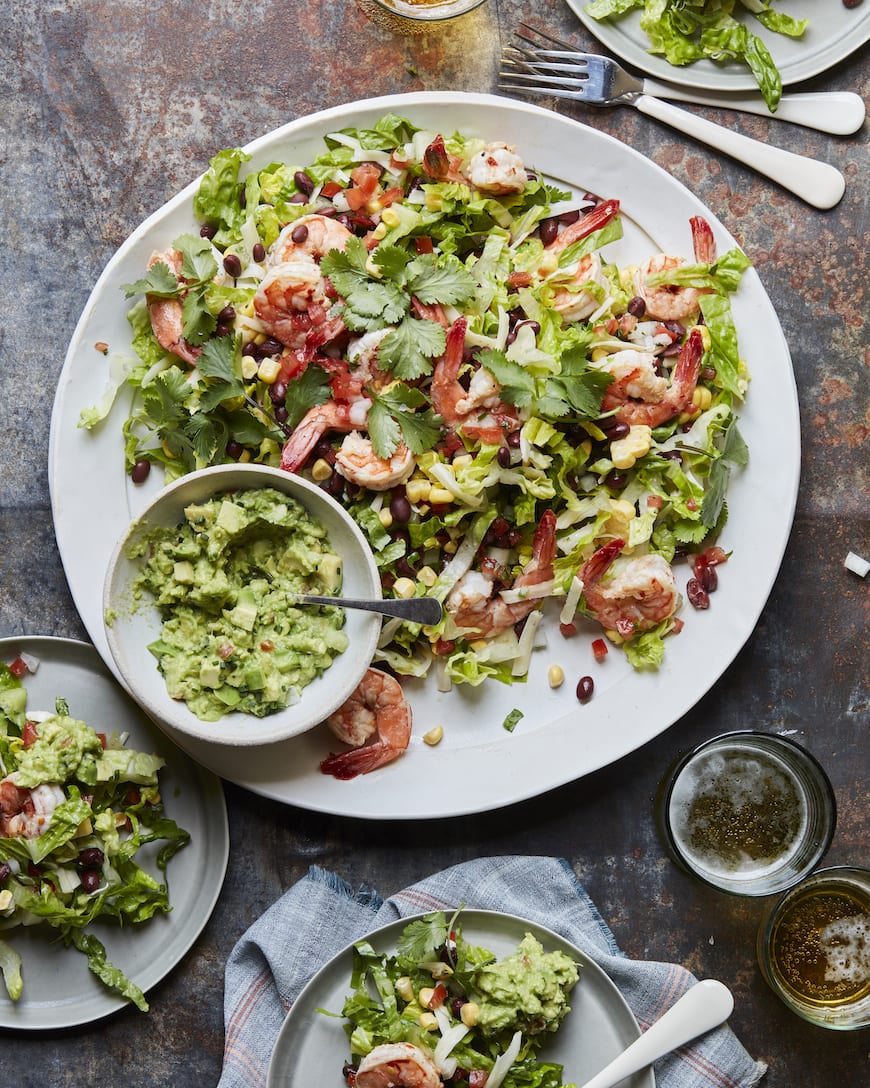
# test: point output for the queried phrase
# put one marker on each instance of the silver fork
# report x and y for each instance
(599, 81)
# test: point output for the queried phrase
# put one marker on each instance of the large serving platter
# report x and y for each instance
(599, 1026)
(59, 989)
(478, 765)
(834, 32)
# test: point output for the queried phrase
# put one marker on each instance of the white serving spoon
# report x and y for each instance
(707, 1005)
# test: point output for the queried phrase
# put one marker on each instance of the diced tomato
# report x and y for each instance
(18, 667)
(599, 648)
(423, 244)
(390, 197)
(29, 735)
(477, 1078)
(132, 797)
(366, 178)
(444, 646)
(519, 279)
(330, 188)
(714, 555)
(567, 629)
(439, 996)
(102, 737)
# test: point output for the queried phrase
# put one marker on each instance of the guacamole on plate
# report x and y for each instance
(225, 583)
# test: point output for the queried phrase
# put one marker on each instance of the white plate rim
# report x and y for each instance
(479, 924)
(796, 61)
(100, 1002)
(460, 781)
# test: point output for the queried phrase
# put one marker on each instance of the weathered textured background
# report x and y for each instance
(107, 110)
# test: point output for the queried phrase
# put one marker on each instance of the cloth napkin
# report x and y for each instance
(322, 914)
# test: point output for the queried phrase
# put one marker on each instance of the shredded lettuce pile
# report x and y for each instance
(684, 31)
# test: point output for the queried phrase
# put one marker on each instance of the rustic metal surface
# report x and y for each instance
(108, 109)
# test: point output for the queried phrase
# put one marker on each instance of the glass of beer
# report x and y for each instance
(427, 11)
(814, 948)
(749, 813)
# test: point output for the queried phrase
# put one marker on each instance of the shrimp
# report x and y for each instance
(574, 305)
(292, 300)
(357, 461)
(587, 224)
(476, 412)
(26, 813)
(397, 1065)
(471, 604)
(166, 314)
(330, 416)
(379, 708)
(640, 396)
(670, 301)
(497, 169)
(639, 597)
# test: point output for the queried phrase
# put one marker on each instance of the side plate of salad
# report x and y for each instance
(542, 735)
(71, 968)
(333, 1012)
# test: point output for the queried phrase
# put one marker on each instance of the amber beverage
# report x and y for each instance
(814, 948)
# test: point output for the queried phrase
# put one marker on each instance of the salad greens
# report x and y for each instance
(455, 1005)
(75, 810)
(684, 31)
(521, 398)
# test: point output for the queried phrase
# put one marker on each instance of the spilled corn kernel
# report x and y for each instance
(555, 676)
(434, 736)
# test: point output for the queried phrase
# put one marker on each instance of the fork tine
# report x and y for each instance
(576, 85)
(547, 37)
(571, 70)
(550, 92)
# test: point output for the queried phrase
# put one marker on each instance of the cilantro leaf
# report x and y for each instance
(365, 296)
(159, 280)
(198, 264)
(392, 417)
(578, 385)
(391, 260)
(517, 384)
(421, 938)
(384, 431)
(306, 391)
(408, 350)
(446, 281)
(218, 360)
(204, 437)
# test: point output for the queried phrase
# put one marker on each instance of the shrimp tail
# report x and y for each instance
(703, 242)
(597, 565)
(592, 221)
(439, 164)
(688, 367)
(347, 765)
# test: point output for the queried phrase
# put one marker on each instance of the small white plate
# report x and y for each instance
(312, 1047)
(59, 989)
(834, 32)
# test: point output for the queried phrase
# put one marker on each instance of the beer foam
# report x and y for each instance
(846, 947)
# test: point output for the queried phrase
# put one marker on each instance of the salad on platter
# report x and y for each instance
(443, 1011)
(434, 333)
(684, 31)
(78, 813)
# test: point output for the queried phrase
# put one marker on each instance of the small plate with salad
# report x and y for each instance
(456, 997)
(95, 804)
(469, 517)
(728, 45)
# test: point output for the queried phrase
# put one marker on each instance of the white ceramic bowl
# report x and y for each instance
(131, 629)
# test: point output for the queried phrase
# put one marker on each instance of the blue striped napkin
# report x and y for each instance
(322, 914)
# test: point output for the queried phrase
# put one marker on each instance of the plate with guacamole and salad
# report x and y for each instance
(469, 997)
(728, 45)
(113, 845)
(459, 378)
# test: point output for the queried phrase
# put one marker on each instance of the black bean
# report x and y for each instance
(92, 857)
(637, 307)
(258, 252)
(298, 198)
(234, 449)
(250, 348)
(269, 347)
(400, 508)
(139, 472)
(616, 480)
(232, 265)
(618, 430)
(299, 234)
(548, 230)
(503, 457)
(513, 440)
(221, 329)
(278, 392)
(281, 414)
(227, 315)
(569, 217)
(404, 568)
(5, 870)
(91, 879)
(303, 182)
(585, 687)
(207, 231)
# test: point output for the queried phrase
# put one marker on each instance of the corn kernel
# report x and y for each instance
(84, 828)
(391, 217)
(321, 470)
(260, 338)
(555, 676)
(461, 462)
(405, 988)
(244, 457)
(439, 496)
(404, 588)
(619, 522)
(374, 205)
(434, 736)
(5, 899)
(249, 367)
(268, 371)
(469, 1013)
(478, 644)
(450, 547)
(427, 576)
(417, 490)
(702, 398)
(440, 970)
(428, 1021)
(425, 996)
(167, 451)
(625, 451)
(385, 517)
(380, 231)
(373, 268)
(549, 263)
(598, 354)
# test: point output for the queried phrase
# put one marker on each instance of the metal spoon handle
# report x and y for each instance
(705, 1006)
(424, 610)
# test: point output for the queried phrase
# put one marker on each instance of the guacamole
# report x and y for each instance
(225, 583)
(527, 990)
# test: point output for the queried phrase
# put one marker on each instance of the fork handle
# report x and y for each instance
(836, 112)
(818, 183)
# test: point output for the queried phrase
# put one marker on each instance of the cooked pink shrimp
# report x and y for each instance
(397, 1065)
(26, 813)
(640, 396)
(166, 314)
(357, 461)
(471, 604)
(309, 236)
(478, 415)
(587, 224)
(317, 421)
(379, 708)
(497, 169)
(575, 305)
(670, 301)
(639, 597)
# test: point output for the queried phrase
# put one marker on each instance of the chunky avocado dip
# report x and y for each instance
(225, 583)
(527, 990)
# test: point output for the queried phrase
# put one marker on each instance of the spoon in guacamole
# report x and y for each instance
(424, 610)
